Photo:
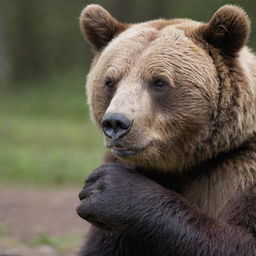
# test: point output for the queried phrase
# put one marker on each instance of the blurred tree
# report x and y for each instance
(4, 64)
(43, 37)
(25, 39)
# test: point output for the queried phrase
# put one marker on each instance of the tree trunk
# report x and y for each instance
(4, 64)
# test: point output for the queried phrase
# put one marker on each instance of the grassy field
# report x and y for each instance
(46, 136)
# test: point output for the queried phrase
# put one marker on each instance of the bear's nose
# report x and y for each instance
(115, 125)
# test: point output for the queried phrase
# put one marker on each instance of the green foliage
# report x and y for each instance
(44, 239)
(46, 135)
(62, 244)
(3, 230)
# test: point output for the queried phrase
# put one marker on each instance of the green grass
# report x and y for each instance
(62, 244)
(46, 136)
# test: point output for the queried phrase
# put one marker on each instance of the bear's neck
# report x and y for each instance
(210, 184)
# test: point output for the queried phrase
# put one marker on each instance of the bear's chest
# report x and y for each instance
(212, 192)
(209, 192)
(209, 197)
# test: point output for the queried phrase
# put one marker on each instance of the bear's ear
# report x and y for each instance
(98, 26)
(228, 29)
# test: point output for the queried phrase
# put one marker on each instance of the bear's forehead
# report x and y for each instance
(144, 45)
(139, 38)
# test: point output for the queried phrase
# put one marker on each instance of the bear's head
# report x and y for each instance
(169, 94)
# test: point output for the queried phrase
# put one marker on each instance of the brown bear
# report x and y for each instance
(176, 102)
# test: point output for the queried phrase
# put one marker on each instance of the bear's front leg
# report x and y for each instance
(103, 243)
(110, 197)
(113, 197)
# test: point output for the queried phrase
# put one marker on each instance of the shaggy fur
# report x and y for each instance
(190, 187)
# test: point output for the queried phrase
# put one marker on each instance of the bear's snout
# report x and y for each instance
(115, 125)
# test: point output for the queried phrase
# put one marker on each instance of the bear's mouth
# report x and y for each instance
(124, 151)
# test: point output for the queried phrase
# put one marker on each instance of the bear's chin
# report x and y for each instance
(124, 153)
(128, 152)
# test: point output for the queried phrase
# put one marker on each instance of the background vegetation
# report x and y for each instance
(46, 136)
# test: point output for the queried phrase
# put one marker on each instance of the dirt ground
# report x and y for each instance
(40, 222)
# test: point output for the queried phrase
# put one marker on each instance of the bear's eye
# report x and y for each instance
(109, 83)
(159, 83)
